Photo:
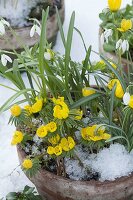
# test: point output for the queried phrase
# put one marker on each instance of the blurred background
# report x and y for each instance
(87, 21)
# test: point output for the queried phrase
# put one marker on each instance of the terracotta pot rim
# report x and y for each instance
(27, 27)
(92, 182)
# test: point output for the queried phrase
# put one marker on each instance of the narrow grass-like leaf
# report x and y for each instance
(84, 100)
(68, 49)
(60, 27)
(7, 104)
(122, 81)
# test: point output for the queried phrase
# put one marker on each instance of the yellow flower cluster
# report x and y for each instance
(15, 110)
(17, 138)
(36, 107)
(119, 90)
(125, 25)
(114, 5)
(94, 133)
(61, 110)
(43, 130)
(86, 91)
(66, 144)
(27, 164)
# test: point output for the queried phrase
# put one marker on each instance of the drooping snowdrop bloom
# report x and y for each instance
(128, 99)
(49, 54)
(125, 46)
(122, 45)
(5, 59)
(35, 29)
(3, 23)
(106, 35)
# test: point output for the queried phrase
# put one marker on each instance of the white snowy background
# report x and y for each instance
(87, 22)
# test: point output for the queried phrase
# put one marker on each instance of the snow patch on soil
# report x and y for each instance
(110, 163)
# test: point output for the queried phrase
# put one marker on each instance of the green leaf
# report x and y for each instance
(60, 27)
(42, 46)
(112, 104)
(7, 104)
(81, 38)
(84, 100)
(122, 81)
(68, 48)
(12, 196)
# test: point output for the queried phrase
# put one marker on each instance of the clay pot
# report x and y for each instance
(111, 55)
(24, 33)
(53, 187)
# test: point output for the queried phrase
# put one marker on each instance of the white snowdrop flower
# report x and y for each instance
(107, 34)
(35, 29)
(47, 56)
(126, 98)
(5, 59)
(119, 44)
(125, 46)
(3, 23)
(122, 45)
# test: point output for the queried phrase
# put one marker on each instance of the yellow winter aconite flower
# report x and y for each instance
(125, 25)
(119, 90)
(50, 150)
(58, 150)
(94, 133)
(16, 110)
(58, 101)
(54, 140)
(131, 101)
(114, 5)
(37, 107)
(51, 127)
(17, 138)
(28, 108)
(42, 131)
(61, 111)
(67, 144)
(27, 164)
(79, 114)
(88, 91)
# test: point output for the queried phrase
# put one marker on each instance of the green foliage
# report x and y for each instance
(27, 194)
(35, 168)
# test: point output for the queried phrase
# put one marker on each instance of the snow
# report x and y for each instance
(17, 14)
(113, 162)
(87, 21)
(110, 163)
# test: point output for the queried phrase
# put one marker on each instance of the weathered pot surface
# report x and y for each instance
(111, 55)
(23, 34)
(53, 187)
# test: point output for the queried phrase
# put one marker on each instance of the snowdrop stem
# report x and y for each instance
(128, 67)
(120, 63)
(131, 60)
